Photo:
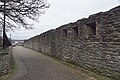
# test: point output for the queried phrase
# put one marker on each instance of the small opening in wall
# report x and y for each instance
(91, 27)
(75, 31)
(43, 37)
(47, 37)
(64, 32)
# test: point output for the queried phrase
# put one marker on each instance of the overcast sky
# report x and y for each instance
(62, 12)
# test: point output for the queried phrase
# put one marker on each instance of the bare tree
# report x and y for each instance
(17, 11)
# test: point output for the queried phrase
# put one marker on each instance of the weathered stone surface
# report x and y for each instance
(92, 43)
(4, 63)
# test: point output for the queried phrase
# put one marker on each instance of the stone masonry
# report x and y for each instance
(5, 57)
(92, 43)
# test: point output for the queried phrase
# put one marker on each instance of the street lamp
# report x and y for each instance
(10, 36)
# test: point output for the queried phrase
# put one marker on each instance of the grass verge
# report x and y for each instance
(12, 70)
(81, 69)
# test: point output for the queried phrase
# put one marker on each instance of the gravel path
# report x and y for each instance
(35, 66)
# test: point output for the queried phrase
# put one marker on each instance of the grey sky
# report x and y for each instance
(62, 12)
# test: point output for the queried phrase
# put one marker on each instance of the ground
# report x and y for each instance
(33, 65)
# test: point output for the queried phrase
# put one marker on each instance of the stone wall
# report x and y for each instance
(92, 43)
(5, 61)
(43, 42)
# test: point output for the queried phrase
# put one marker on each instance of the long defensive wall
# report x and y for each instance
(92, 43)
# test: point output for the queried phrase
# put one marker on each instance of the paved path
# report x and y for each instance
(35, 66)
